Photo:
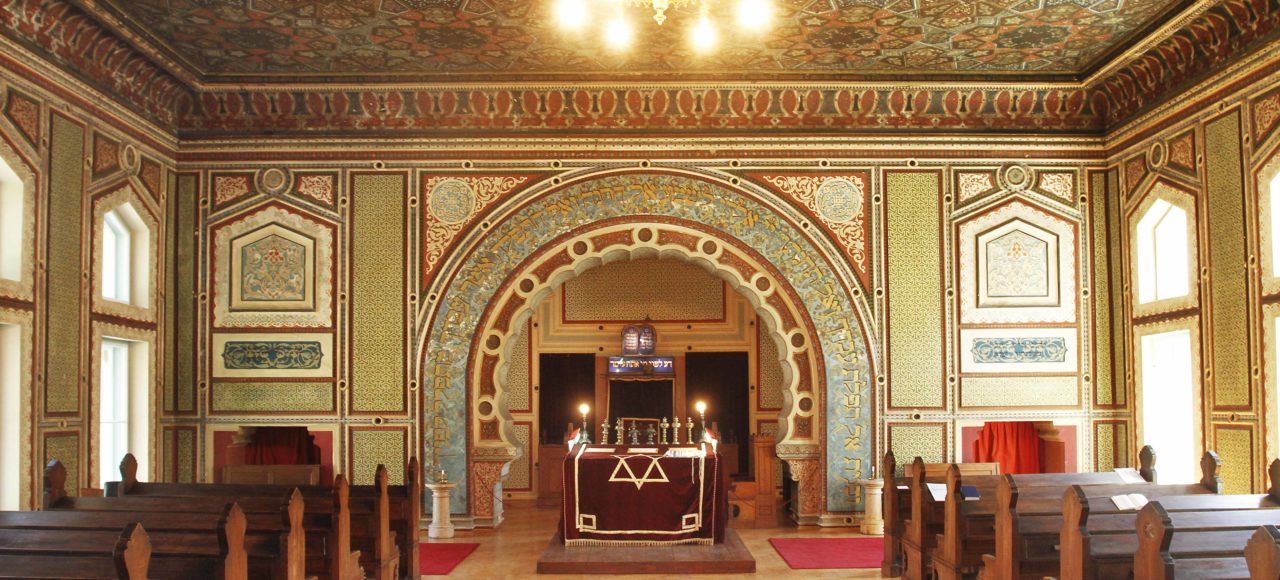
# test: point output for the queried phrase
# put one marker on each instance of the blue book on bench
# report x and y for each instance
(969, 492)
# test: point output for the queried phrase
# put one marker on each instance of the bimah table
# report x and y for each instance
(626, 495)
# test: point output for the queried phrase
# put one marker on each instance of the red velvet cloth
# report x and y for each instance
(282, 446)
(614, 497)
(1015, 445)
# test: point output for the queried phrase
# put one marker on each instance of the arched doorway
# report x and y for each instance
(758, 245)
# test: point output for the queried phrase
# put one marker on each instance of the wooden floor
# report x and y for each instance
(512, 551)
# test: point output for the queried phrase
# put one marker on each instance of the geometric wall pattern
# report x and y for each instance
(925, 440)
(669, 291)
(770, 387)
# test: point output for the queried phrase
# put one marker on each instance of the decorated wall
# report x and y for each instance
(368, 263)
(1212, 153)
(76, 157)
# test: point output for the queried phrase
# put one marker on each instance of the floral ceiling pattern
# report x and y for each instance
(517, 39)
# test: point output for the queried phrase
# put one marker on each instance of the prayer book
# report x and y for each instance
(1129, 501)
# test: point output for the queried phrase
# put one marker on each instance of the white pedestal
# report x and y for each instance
(440, 526)
(873, 506)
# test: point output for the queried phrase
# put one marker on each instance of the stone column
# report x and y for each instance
(873, 514)
(440, 527)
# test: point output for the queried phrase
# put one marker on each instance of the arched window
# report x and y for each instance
(12, 214)
(125, 267)
(123, 412)
(1163, 253)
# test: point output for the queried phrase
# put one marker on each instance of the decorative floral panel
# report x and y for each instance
(273, 268)
(283, 355)
(1019, 350)
(1017, 264)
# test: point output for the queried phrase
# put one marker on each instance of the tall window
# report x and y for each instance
(116, 258)
(123, 416)
(11, 223)
(1163, 253)
(1168, 404)
(10, 417)
(1275, 225)
(125, 257)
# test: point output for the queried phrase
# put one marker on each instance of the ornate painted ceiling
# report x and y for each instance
(487, 40)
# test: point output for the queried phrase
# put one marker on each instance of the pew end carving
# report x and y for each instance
(1273, 477)
(1210, 467)
(1263, 553)
(232, 527)
(1154, 537)
(1147, 463)
(891, 565)
(55, 484)
(132, 553)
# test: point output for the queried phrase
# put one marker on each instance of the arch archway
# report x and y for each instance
(523, 251)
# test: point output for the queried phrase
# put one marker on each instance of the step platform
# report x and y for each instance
(730, 557)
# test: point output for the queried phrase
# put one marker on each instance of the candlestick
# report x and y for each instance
(604, 432)
(675, 431)
(618, 432)
(702, 416)
(690, 426)
(664, 425)
(586, 435)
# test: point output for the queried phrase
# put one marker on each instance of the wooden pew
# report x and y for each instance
(922, 533)
(1195, 544)
(896, 503)
(124, 555)
(1098, 541)
(1262, 553)
(216, 551)
(1029, 520)
(327, 531)
(376, 510)
(226, 536)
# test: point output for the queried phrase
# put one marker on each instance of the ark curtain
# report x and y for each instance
(1014, 445)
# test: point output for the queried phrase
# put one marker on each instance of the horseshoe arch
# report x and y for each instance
(530, 247)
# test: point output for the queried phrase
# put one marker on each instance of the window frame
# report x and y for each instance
(143, 267)
(1162, 191)
(1192, 326)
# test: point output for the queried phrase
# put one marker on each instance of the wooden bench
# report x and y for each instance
(896, 503)
(972, 526)
(325, 531)
(1195, 544)
(384, 518)
(76, 555)
(1099, 541)
(214, 549)
(1029, 520)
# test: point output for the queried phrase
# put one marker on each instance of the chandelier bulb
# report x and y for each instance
(754, 15)
(617, 32)
(704, 35)
(571, 14)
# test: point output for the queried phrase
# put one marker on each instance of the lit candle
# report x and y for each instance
(701, 407)
(583, 408)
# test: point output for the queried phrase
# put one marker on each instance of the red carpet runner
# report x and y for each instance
(829, 553)
(441, 559)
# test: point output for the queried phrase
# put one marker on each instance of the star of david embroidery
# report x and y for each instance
(660, 477)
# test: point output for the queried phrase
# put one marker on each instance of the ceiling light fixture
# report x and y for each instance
(752, 16)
